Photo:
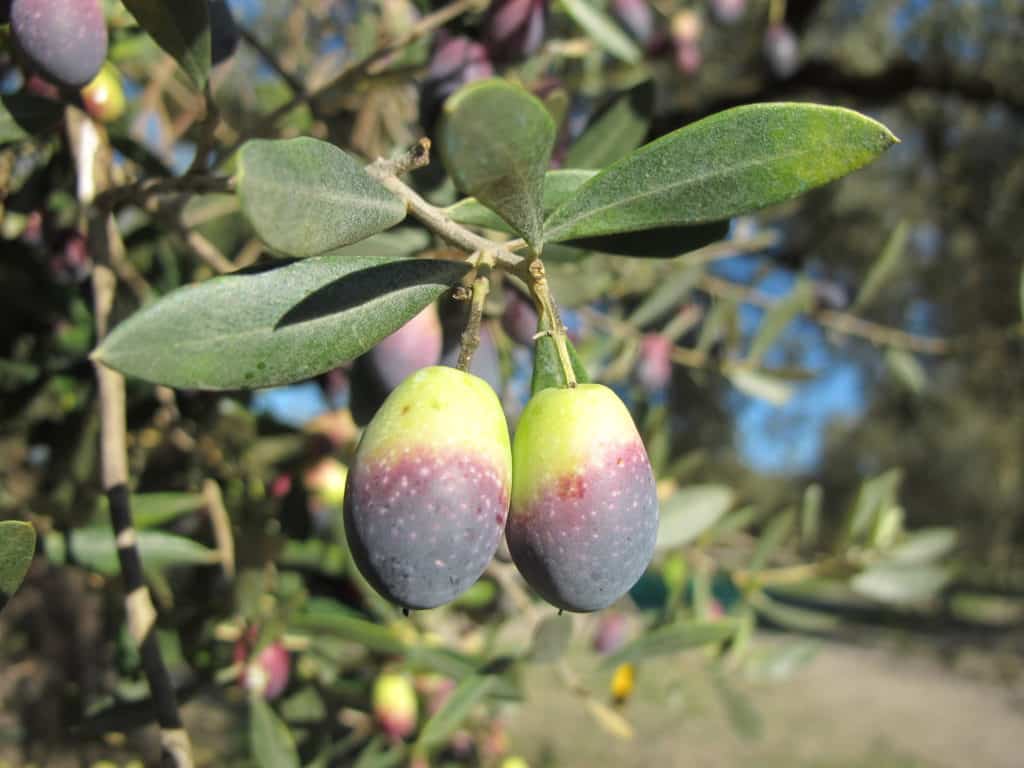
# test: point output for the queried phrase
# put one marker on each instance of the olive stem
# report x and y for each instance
(536, 278)
(481, 287)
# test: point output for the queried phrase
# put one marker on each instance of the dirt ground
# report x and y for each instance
(880, 707)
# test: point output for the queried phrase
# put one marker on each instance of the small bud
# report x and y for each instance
(394, 705)
(267, 674)
(782, 49)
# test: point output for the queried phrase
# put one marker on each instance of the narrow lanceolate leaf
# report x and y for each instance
(602, 30)
(305, 197)
(730, 163)
(455, 710)
(17, 545)
(763, 386)
(772, 538)
(666, 297)
(887, 264)
(94, 548)
(150, 510)
(689, 512)
(496, 141)
(900, 583)
(617, 132)
(23, 115)
(775, 320)
(181, 28)
(673, 638)
(274, 327)
(270, 742)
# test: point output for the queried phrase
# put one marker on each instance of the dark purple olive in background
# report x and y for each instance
(223, 32)
(637, 17)
(455, 61)
(728, 11)
(69, 260)
(513, 30)
(64, 40)
(415, 345)
(519, 319)
(782, 49)
(5, 11)
(486, 362)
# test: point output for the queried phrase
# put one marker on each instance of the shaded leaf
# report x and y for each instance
(772, 538)
(733, 162)
(338, 623)
(689, 512)
(989, 610)
(274, 327)
(150, 510)
(669, 294)
(496, 140)
(304, 197)
(887, 264)
(270, 742)
(717, 321)
(810, 514)
(182, 29)
(379, 753)
(17, 546)
(743, 715)
(791, 617)
(899, 583)
(551, 639)
(673, 638)
(547, 368)
(775, 320)
(455, 710)
(602, 30)
(616, 132)
(659, 243)
(24, 116)
(93, 547)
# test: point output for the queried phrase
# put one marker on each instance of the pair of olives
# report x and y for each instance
(436, 481)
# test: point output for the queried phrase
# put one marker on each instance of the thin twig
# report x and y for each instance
(471, 335)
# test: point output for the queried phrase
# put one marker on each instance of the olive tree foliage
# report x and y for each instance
(274, 207)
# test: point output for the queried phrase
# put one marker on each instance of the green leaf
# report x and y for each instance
(719, 320)
(547, 368)
(17, 546)
(496, 140)
(772, 538)
(778, 664)
(274, 327)
(374, 637)
(669, 294)
(923, 546)
(602, 30)
(792, 618)
(797, 302)
(618, 131)
(900, 583)
(743, 715)
(873, 497)
(730, 163)
(810, 514)
(761, 385)
(559, 186)
(94, 548)
(551, 639)
(691, 511)
(888, 263)
(672, 638)
(181, 28)
(24, 116)
(453, 712)
(907, 369)
(151, 510)
(270, 741)
(305, 197)
(379, 753)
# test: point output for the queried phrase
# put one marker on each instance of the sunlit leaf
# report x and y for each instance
(274, 327)
(780, 663)
(602, 30)
(923, 546)
(338, 623)
(907, 369)
(496, 140)
(900, 583)
(304, 197)
(270, 742)
(791, 617)
(93, 547)
(810, 514)
(689, 512)
(733, 162)
(873, 497)
(616, 132)
(17, 546)
(761, 385)
(743, 715)
(453, 712)
(181, 28)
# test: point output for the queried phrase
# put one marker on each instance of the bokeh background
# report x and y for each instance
(841, 376)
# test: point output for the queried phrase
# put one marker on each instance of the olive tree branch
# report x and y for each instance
(92, 162)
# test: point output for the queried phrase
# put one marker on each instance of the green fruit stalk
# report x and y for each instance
(427, 495)
(584, 513)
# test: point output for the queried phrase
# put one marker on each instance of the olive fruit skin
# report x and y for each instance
(427, 494)
(65, 40)
(584, 512)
